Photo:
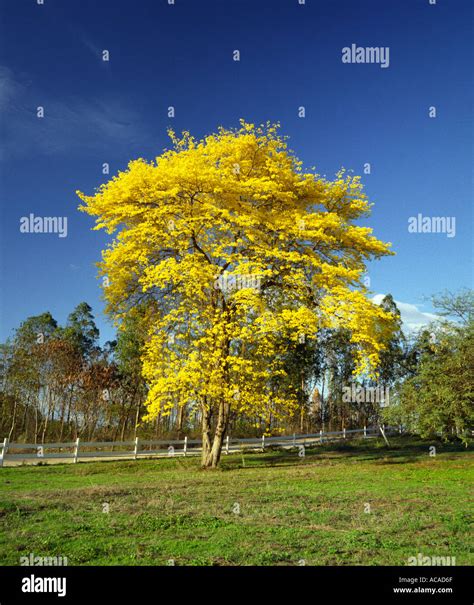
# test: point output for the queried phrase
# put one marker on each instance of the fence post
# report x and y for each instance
(135, 451)
(185, 445)
(365, 431)
(263, 442)
(227, 444)
(321, 436)
(76, 451)
(344, 433)
(294, 439)
(4, 450)
(382, 430)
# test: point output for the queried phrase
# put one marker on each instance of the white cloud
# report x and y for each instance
(69, 124)
(412, 317)
(8, 87)
(91, 46)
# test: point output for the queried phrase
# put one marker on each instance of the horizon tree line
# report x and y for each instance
(58, 383)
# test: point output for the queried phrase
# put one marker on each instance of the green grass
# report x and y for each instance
(291, 508)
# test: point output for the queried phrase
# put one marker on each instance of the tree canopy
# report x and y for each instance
(235, 251)
(437, 396)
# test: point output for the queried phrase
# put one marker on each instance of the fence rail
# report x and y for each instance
(95, 449)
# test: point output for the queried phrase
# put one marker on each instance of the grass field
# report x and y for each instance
(258, 509)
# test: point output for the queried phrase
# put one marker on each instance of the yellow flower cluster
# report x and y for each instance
(237, 202)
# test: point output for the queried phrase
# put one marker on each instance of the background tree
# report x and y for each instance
(458, 307)
(82, 331)
(438, 398)
(25, 376)
(391, 359)
(127, 352)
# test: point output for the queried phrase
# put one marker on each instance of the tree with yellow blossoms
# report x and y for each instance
(233, 248)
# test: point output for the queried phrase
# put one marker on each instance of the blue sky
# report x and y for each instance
(181, 55)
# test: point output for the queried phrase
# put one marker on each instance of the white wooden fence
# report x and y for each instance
(140, 448)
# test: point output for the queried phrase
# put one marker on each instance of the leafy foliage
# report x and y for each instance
(236, 205)
(439, 395)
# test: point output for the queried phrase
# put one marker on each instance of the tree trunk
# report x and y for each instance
(12, 428)
(22, 428)
(36, 424)
(211, 455)
(46, 418)
(321, 400)
(206, 435)
(63, 410)
(180, 420)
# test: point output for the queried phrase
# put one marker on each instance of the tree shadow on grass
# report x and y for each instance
(401, 450)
